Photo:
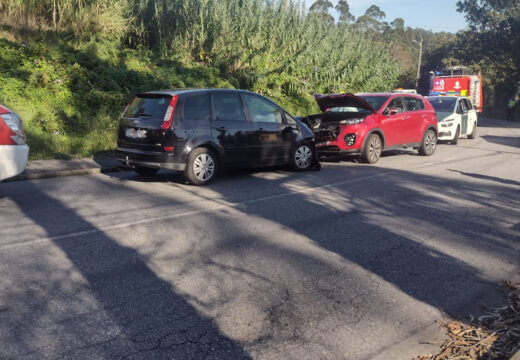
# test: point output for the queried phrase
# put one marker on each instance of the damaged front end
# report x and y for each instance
(337, 128)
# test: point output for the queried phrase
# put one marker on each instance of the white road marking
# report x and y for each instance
(224, 206)
(188, 213)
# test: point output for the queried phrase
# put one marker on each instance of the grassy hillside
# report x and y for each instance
(70, 97)
(69, 70)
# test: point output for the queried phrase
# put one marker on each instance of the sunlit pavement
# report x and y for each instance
(352, 262)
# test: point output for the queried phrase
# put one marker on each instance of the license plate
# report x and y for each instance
(135, 133)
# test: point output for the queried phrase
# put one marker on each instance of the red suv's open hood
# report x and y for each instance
(338, 100)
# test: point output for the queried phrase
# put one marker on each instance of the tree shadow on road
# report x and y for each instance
(402, 228)
(106, 303)
(512, 141)
(294, 261)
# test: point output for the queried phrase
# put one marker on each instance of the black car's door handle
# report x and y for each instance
(221, 129)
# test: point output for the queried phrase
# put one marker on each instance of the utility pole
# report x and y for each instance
(418, 63)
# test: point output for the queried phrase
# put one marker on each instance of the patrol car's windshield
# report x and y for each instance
(443, 104)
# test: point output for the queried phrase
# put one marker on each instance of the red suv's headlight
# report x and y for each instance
(351, 121)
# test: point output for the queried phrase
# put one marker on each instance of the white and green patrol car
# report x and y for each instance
(456, 117)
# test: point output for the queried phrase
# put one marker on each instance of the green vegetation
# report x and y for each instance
(70, 97)
(69, 67)
(83, 59)
(492, 44)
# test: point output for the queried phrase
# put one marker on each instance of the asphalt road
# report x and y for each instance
(352, 262)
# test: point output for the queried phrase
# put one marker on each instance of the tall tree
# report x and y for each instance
(320, 9)
(398, 24)
(375, 12)
(370, 22)
(493, 39)
(345, 16)
(321, 6)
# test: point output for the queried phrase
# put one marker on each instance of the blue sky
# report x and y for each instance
(435, 15)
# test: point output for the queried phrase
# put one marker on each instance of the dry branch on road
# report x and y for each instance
(494, 335)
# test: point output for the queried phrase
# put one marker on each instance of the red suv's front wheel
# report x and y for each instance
(372, 150)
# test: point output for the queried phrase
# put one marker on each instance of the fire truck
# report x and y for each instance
(457, 81)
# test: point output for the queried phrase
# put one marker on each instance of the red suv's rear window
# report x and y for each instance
(149, 106)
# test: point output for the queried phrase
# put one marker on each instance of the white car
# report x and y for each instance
(456, 117)
(13, 149)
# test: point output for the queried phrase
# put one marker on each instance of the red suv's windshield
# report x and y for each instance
(375, 101)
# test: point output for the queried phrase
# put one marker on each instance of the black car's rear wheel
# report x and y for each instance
(302, 158)
(202, 166)
(372, 150)
(145, 171)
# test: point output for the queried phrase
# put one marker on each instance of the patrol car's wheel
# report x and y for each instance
(455, 140)
(473, 134)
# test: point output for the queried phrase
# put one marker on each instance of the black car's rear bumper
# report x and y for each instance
(153, 159)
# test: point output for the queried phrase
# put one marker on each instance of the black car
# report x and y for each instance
(200, 131)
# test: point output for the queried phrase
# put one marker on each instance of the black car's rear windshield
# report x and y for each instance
(375, 101)
(148, 106)
(443, 104)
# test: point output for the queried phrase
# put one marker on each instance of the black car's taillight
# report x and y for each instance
(168, 117)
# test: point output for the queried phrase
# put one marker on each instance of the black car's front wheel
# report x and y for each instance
(302, 158)
(202, 166)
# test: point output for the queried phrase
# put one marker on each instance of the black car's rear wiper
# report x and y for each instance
(143, 114)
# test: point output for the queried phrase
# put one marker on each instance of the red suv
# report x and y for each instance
(367, 124)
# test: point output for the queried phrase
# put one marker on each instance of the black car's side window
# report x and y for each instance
(228, 106)
(262, 111)
(197, 107)
(290, 120)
